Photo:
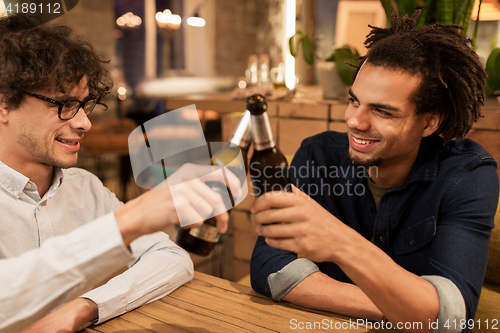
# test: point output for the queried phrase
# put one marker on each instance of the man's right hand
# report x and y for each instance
(194, 201)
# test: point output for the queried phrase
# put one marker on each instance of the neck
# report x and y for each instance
(391, 175)
(38, 173)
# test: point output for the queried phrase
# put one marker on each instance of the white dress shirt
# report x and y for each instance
(41, 269)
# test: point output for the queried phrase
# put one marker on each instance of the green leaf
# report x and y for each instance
(493, 70)
(488, 89)
(467, 16)
(343, 55)
(459, 10)
(387, 5)
(307, 48)
(291, 47)
(445, 11)
(406, 7)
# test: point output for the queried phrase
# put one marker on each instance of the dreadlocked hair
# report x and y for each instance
(452, 78)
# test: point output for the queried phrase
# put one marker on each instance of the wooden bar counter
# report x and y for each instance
(210, 304)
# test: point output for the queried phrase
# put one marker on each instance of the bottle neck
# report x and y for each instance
(261, 132)
(242, 135)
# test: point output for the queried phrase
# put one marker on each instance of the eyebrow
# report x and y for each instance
(377, 105)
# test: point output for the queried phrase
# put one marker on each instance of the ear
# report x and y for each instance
(432, 122)
(4, 112)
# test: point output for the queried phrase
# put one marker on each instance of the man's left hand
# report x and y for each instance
(68, 318)
(294, 222)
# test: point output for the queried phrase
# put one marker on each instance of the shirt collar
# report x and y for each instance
(14, 182)
(425, 167)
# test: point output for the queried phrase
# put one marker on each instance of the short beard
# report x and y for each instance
(370, 162)
(37, 153)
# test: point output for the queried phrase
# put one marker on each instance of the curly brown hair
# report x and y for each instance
(452, 78)
(35, 56)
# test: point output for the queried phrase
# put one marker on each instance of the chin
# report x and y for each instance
(65, 164)
(365, 162)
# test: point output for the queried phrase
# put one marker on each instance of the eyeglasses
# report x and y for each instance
(69, 109)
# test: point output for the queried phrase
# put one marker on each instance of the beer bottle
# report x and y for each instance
(268, 166)
(201, 240)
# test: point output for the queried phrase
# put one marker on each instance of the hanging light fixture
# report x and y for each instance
(196, 20)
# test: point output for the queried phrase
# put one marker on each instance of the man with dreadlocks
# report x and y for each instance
(403, 206)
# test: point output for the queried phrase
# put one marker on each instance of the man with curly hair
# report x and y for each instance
(61, 231)
(399, 232)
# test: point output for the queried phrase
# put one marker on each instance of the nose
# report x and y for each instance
(357, 118)
(81, 121)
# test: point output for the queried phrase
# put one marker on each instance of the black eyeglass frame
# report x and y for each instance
(61, 104)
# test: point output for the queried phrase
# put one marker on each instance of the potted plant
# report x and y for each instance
(433, 11)
(334, 72)
(450, 12)
(493, 71)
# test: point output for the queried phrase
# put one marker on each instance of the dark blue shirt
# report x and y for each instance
(437, 223)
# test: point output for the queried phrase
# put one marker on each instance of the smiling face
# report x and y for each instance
(34, 136)
(383, 127)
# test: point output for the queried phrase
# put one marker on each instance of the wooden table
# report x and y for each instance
(210, 304)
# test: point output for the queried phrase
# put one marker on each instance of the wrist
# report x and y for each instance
(350, 247)
(84, 311)
(128, 223)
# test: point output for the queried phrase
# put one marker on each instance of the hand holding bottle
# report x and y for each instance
(201, 240)
(190, 199)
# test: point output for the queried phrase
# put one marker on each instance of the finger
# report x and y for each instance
(199, 204)
(192, 225)
(295, 190)
(275, 199)
(222, 222)
(186, 214)
(215, 199)
(287, 244)
(279, 215)
(279, 230)
(188, 172)
(195, 201)
(233, 183)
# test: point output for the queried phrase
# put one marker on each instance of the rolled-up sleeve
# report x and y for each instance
(451, 304)
(281, 282)
(160, 267)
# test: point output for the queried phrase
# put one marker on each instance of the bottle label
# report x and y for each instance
(205, 232)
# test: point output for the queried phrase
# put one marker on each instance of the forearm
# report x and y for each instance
(321, 292)
(68, 318)
(400, 295)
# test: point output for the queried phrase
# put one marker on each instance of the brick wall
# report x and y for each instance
(95, 20)
(244, 28)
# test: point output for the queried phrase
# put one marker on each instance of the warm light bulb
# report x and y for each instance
(122, 90)
(195, 22)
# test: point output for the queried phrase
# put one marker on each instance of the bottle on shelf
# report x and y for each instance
(252, 71)
(268, 166)
(202, 240)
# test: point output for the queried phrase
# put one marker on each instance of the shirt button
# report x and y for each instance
(39, 207)
(28, 186)
(381, 238)
(16, 193)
